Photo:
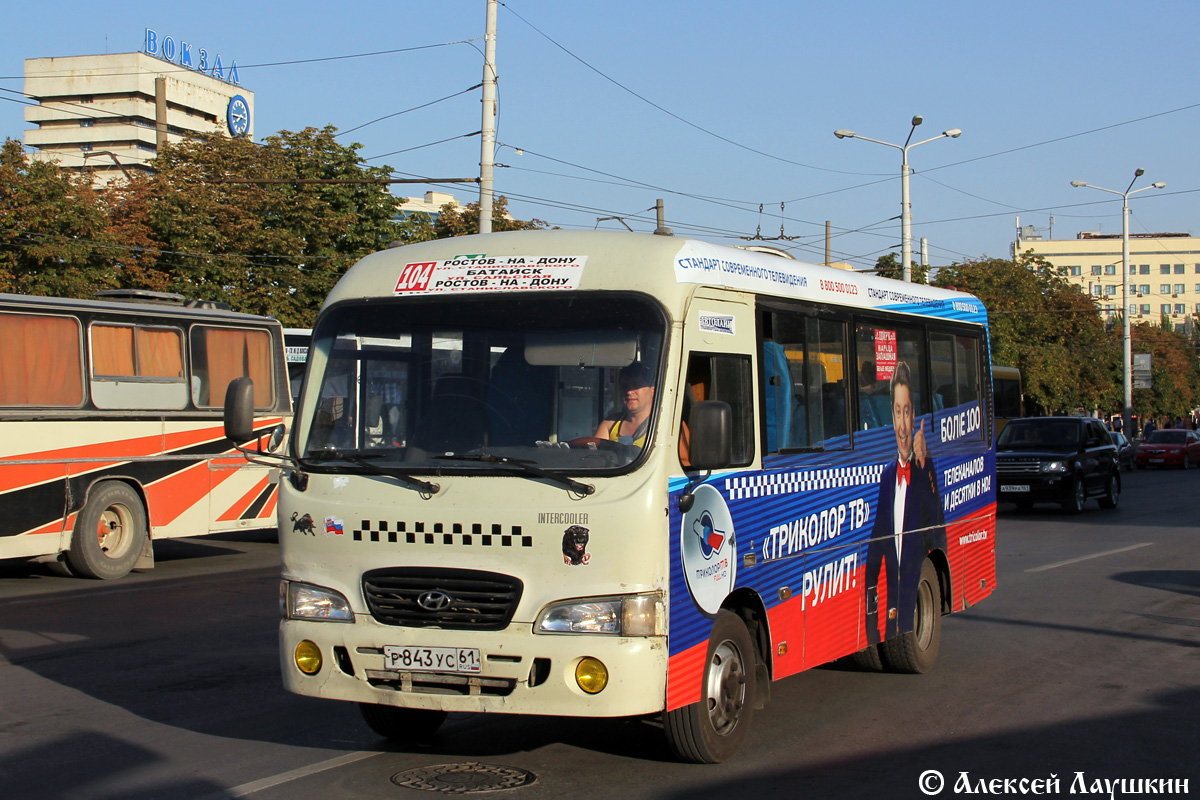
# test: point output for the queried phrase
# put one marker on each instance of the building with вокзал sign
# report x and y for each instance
(113, 113)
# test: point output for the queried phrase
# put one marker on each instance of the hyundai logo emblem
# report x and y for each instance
(434, 601)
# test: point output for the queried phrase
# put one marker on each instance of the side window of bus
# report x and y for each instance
(955, 370)
(41, 361)
(726, 378)
(805, 382)
(221, 354)
(135, 366)
(881, 348)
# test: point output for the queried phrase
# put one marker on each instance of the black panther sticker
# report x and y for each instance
(575, 541)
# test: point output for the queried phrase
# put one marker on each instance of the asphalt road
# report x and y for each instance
(1086, 660)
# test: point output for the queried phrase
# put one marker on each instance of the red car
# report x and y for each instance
(1169, 448)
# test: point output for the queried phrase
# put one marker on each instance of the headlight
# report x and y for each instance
(1054, 466)
(305, 601)
(634, 615)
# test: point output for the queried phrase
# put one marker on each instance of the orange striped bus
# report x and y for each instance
(110, 426)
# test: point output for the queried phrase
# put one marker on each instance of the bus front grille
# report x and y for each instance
(452, 599)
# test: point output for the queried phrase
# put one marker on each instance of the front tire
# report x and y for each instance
(1113, 493)
(713, 729)
(404, 725)
(916, 651)
(109, 534)
(1074, 502)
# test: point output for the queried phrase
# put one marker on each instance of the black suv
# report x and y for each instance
(1057, 460)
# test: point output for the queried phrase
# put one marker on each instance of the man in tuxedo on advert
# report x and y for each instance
(908, 501)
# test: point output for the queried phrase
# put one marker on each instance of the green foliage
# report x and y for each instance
(52, 229)
(268, 228)
(1174, 377)
(464, 220)
(1042, 324)
(890, 266)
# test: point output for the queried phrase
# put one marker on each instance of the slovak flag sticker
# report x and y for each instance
(334, 526)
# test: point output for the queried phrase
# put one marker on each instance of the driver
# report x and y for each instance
(637, 394)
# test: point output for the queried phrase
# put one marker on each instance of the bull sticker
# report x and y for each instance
(708, 549)
(574, 546)
(303, 524)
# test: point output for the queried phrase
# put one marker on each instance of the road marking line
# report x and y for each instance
(1086, 558)
(287, 777)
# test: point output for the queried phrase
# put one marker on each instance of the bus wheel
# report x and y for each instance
(915, 651)
(712, 730)
(867, 659)
(109, 533)
(412, 725)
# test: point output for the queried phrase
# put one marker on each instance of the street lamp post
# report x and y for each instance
(1126, 340)
(905, 205)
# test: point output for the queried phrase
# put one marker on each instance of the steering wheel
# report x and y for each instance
(595, 443)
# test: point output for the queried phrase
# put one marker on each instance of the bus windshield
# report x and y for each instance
(519, 383)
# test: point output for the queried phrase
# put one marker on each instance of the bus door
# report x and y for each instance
(706, 541)
(812, 494)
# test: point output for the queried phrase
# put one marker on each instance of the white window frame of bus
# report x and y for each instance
(921, 400)
(80, 361)
(218, 402)
(726, 385)
(137, 392)
(422, 371)
(814, 373)
(981, 390)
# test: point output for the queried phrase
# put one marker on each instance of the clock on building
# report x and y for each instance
(238, 116)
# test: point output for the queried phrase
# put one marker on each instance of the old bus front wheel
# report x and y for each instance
(712, 730)
(109, 533)
(409, 725)
(916, 651)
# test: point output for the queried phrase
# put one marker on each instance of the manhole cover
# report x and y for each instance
(463, 778)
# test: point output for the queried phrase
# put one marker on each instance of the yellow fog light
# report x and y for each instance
(308, 658)
(591, 675)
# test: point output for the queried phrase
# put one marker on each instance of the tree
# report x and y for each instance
(236, 223)
(1174, 375)
(889, 266)
(463, 220)
(1046, 327)
(53, 238)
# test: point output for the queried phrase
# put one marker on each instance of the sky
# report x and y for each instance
(724, 111)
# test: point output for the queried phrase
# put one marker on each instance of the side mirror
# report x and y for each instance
(711, 435)
(239, 410)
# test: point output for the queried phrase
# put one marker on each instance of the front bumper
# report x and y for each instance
(521, 673)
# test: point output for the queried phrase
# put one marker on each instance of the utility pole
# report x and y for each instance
(488, 129)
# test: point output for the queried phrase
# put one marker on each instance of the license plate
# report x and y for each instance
(1015, 487)
(431, 659)
(1156, 460)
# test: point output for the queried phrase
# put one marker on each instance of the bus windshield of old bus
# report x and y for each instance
(458, 385)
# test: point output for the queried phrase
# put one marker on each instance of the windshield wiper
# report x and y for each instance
(524, 468)
(333, 454)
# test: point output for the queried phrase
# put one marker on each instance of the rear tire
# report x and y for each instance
(867, 659)
(713, 729)
(109, 534)
(405, 725)
(916, 651)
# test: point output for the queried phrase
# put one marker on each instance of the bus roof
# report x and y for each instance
(26, 302)
(666, 267)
